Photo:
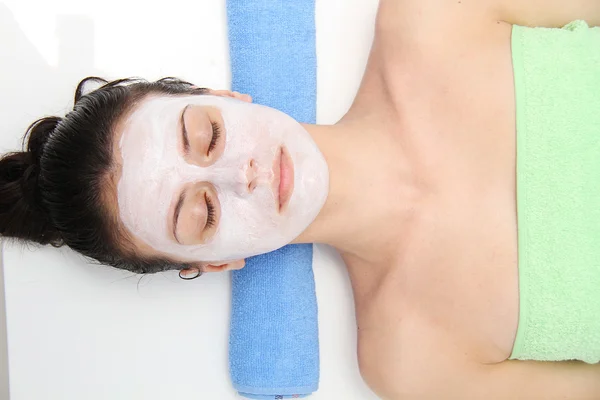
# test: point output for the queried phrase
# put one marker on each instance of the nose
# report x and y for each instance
(251, 175)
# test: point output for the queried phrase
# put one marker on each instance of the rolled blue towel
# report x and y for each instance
(273, 345)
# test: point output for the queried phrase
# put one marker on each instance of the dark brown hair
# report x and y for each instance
(52, 191)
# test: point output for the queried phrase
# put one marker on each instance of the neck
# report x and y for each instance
(372, 193)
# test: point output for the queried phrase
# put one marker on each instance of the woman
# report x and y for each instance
(417, 187)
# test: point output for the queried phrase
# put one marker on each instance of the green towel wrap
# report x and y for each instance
(557, 83)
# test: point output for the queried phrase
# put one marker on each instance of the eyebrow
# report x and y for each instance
(186, 143)
(176, 214)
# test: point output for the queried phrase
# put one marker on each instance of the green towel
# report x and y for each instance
(557, 83)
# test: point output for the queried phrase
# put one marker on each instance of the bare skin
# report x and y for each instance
(422, 204)
(433, 255)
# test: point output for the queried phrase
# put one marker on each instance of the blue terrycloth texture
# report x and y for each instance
(273, 55)
(273, 345)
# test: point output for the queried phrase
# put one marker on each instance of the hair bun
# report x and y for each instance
(22, 215)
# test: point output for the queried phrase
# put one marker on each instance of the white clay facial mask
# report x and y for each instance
(209, 178)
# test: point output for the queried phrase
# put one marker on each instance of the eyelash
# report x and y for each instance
(210, 219)
(215, 137)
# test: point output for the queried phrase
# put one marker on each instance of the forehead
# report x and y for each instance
(132, 118)
(110, 194)
(126, 121)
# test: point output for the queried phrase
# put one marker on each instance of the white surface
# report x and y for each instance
(3, 341)
(78, 331)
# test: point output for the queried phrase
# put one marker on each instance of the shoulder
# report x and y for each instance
(431, 38)
(426, 18)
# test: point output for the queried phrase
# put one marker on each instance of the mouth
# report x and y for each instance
(283, 184)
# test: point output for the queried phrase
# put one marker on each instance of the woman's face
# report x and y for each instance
(207, 178)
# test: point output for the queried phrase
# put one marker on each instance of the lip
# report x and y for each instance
(283, 184)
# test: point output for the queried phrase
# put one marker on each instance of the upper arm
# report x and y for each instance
(548, 380)
(548, 13)
(445, 366)
(521, 380)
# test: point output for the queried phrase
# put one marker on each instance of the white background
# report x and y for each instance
(79, 331)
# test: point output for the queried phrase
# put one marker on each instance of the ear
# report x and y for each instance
(212, 267)
(218, 267)
(228, 93)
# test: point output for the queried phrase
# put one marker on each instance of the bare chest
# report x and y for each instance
(456, 112)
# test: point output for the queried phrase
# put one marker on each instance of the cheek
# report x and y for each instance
(251, 215)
